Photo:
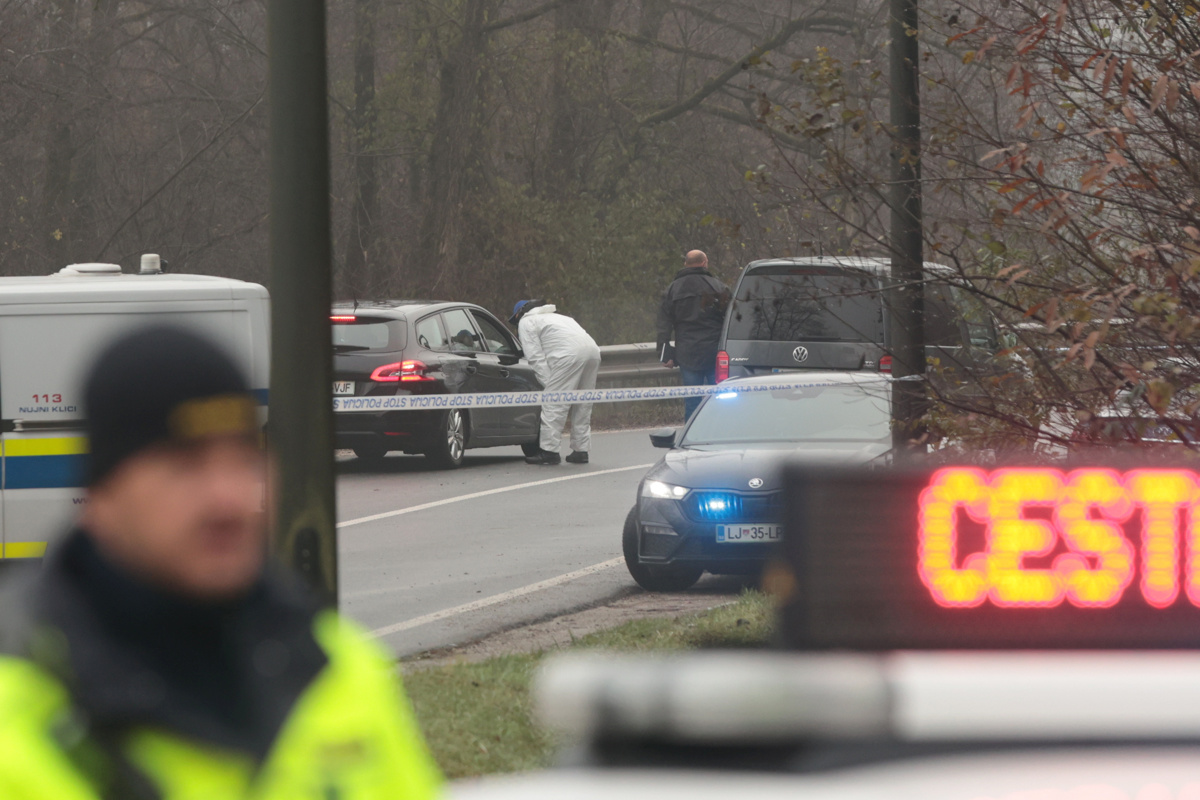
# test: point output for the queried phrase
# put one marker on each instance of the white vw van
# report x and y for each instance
(51, 329)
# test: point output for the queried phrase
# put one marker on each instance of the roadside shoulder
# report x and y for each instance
(566, 630)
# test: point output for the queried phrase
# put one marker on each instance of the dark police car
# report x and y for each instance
(418, 347)
(714, 501)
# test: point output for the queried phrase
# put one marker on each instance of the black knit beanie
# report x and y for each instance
(161, 383)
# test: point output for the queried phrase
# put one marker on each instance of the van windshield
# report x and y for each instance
(795, 304)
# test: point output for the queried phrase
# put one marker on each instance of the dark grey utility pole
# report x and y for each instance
(907, 299)
(301, 415)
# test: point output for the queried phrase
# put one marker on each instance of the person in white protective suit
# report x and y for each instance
(564, 357)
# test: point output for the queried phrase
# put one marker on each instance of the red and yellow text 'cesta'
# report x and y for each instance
(1084, 518)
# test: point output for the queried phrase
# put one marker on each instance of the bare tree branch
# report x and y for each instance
(525, 16)
(717, 81)
(708, 16)
(182, 168)
(670, 48)
(791, 142)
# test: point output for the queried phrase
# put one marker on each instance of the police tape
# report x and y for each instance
(407, 402)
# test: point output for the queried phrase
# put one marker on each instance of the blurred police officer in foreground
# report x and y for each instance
(159, 653)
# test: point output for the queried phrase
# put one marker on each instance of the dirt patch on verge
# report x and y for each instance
(562, 631)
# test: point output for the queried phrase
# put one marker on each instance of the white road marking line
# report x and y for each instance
(497, 598)
(460, 498)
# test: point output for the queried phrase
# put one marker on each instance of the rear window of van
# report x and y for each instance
(795, 304)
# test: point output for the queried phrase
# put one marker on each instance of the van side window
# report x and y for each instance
(941, 322)
(981, 325)
(430, 335)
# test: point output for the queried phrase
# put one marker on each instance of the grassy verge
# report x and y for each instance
(476, 717)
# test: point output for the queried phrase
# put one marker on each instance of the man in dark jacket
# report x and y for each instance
(693, 308)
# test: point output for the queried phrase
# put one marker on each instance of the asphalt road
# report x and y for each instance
(430, 558)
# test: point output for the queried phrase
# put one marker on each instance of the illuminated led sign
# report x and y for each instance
(1087, 509)
(1011, 557)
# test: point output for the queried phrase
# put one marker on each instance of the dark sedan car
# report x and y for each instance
(415, 347)
(714, 501)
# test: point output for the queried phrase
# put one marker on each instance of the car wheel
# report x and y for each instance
(650, 577)
(451, 440)
(370, 452)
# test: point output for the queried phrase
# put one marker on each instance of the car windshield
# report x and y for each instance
(842, 412)
(794, 304)
(367, 335)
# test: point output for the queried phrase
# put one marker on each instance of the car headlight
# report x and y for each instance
(663, 491)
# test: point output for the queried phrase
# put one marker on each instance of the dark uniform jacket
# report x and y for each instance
(693, 307)
(110, 688)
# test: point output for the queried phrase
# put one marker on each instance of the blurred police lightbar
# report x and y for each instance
(1018, 557)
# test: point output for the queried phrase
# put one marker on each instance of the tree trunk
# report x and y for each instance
(360, 280)
(456, 153)
(60, 151)
(80, 55)
(579, 26)
(95, 53)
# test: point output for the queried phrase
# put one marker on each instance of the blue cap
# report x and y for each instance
(517, 309)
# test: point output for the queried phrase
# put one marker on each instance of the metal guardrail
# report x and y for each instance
(639, 361)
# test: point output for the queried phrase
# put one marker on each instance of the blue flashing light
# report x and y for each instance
(718, 506)
(726, 395)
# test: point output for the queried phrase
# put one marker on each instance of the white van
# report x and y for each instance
(51, 329)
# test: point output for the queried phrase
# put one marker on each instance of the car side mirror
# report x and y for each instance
(663, 437)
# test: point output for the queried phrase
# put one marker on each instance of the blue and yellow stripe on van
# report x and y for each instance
(45, 463)
(49, 462)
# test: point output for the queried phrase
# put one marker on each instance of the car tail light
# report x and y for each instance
(722, 366)
(342, 318)
(401, 371)
(885, 364)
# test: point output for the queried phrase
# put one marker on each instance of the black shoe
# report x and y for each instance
(545, 458)
(577, 457)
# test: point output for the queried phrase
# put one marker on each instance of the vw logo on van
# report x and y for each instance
(800, 354)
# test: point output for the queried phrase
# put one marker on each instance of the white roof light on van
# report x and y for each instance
(906, 696)
(715, 697)
(91, 269)
(151, 264)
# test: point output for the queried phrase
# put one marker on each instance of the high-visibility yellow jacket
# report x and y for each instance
(346, 734)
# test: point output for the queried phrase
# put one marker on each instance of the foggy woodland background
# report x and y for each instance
(485, 150)
(491, 150)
